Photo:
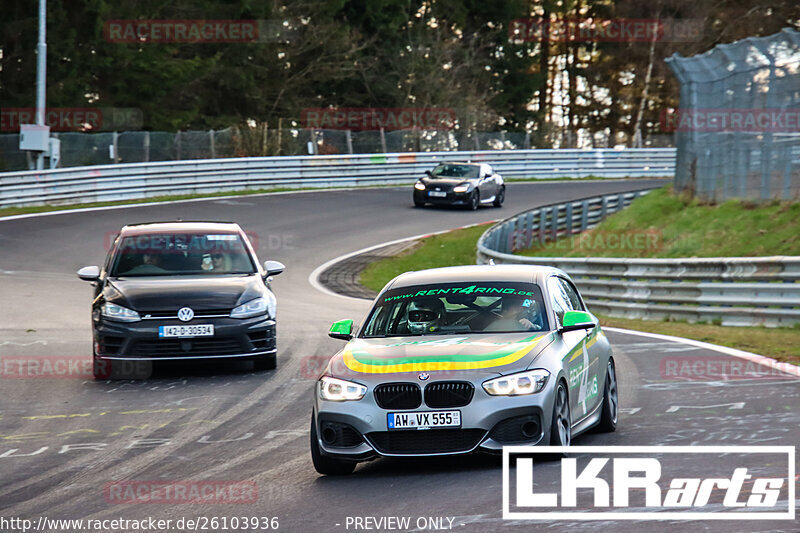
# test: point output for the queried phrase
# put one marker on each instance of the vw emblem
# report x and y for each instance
(185, 314)
(424, 376)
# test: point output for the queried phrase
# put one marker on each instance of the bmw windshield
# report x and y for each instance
(169, 254)
(455, 308)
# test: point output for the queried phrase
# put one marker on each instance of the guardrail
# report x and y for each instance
(146, 180)
(731, 291)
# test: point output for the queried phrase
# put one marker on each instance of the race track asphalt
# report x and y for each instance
(62, 441)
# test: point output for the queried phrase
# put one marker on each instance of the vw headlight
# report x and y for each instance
(461, 188)
(117, 312)
(419, 186)
(529, 382)
(259, 306)
(339, 390)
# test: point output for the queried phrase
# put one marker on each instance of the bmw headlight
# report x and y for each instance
(260, 306)
(529, 382)
(339, 390)
(464, 187)
(419, 186)
(117, 312)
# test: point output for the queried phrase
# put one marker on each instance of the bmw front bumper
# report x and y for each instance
(358, 430)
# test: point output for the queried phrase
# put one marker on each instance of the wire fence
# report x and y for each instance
(85, 149)
(738, 126)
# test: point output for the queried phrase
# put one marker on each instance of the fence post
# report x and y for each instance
(349, 137)
(146, 146)
(115, 138)
(554, 222)
(211, 143)
(178, 145)
(383, 140)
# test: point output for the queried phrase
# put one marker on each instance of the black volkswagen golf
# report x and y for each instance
(181, 291)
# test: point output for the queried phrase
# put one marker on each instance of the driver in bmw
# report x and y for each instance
(425, 316)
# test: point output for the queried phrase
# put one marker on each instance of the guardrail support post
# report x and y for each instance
(584, 215)
(568, 221)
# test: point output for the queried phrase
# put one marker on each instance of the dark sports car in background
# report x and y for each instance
(466, 184)
(462, 359)
(182, 291)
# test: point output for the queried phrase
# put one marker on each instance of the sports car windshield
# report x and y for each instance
(168, 254)
(455, 308)
(455, 171)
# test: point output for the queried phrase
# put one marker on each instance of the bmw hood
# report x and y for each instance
(170, 294)
(443, 357)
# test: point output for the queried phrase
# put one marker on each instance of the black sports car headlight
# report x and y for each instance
(266, 305)
(119, 313)
(529, 382)
(464, 187)
(419, 186)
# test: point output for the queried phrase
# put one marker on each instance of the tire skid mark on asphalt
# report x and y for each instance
(155, 456)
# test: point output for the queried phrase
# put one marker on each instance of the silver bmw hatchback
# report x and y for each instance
(463, 359)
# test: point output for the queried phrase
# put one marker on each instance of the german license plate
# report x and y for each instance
(437, 194)
(196, 330)
(424, 419)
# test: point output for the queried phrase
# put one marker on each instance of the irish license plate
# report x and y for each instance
(424, 419)
(196, 330)
(437, 194)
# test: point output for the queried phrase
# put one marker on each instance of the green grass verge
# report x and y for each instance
(447, 249)
(459, 248)
(662, 224)
(782, 344)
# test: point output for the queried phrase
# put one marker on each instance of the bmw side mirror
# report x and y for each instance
(575, 320)
(342, 330)
(89, 273)
(273, 268)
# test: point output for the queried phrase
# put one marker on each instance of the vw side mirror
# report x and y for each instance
(89, 273)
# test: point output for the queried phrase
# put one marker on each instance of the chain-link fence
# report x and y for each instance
(738, 126)
(80, 149)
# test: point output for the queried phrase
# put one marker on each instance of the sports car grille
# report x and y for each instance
(188, 347)
(426, 441)
(449, 394)
(398, 396)
(198, 313)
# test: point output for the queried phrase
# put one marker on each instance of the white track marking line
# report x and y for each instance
(313, 278)
(774, 364)
(186, 201)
